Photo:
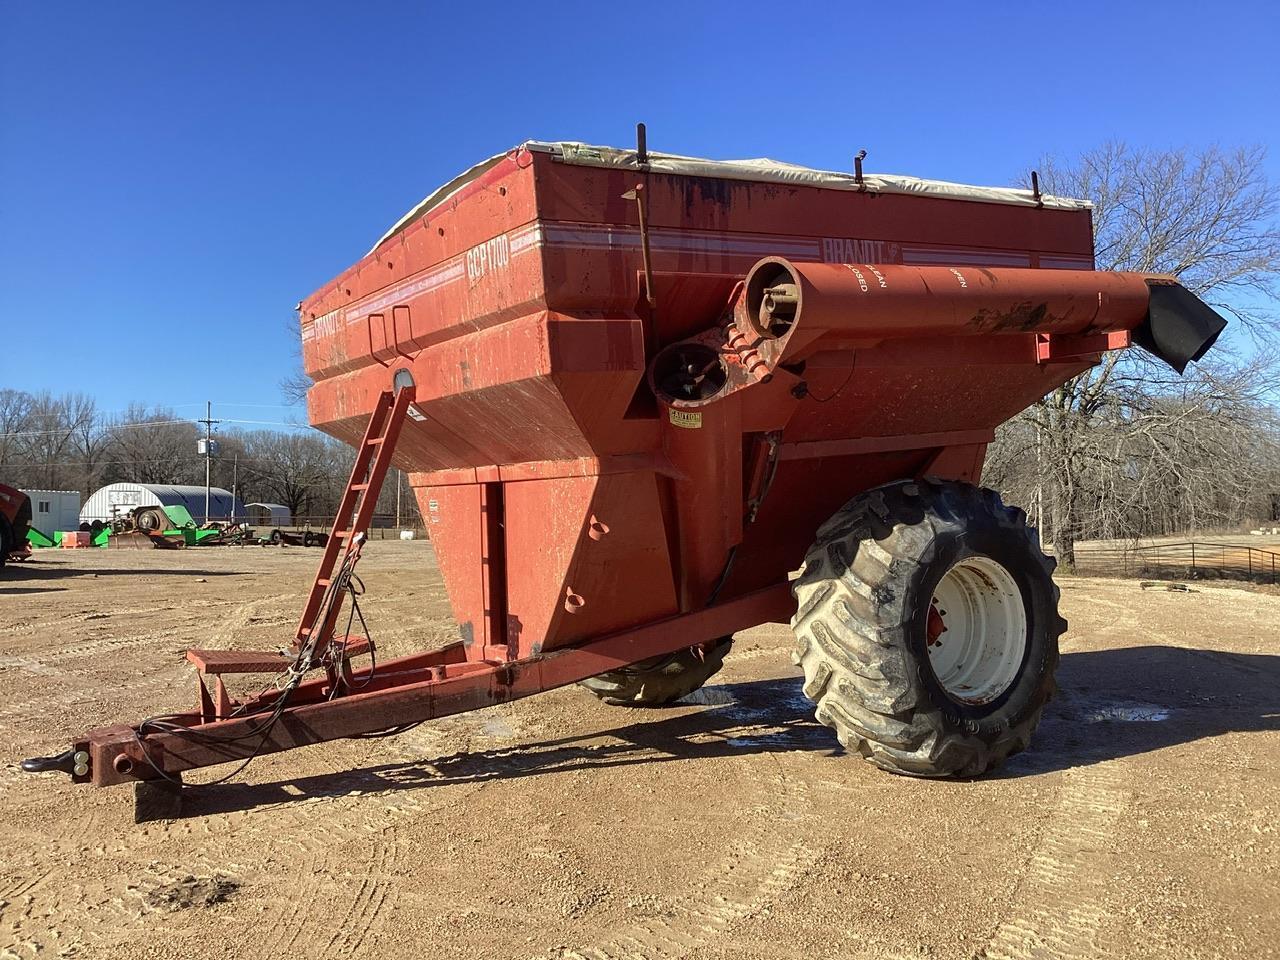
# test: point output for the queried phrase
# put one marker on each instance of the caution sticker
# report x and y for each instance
(689, 419)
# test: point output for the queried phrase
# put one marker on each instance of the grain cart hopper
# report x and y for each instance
(633, 392)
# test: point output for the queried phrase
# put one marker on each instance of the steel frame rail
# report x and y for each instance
(409, 690)
(345, 702)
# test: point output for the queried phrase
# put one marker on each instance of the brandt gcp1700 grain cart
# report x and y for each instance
(634, 392)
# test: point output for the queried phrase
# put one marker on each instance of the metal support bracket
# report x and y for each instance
(1054, 348)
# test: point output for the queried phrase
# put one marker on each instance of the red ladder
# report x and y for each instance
(354, 513)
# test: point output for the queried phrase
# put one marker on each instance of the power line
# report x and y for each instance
(111, 427)
(263, 406)
(94, 464)
(103, 427)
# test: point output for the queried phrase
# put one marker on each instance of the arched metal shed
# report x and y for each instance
(269, 515)
(117, 499)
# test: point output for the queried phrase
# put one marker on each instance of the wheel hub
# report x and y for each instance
(976, 630)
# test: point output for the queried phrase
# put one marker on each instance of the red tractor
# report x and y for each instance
(15, 521)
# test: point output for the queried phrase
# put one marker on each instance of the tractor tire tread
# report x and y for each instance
(660, 680)
(851, 630)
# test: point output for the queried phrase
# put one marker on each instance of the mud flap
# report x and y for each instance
(1180, 327)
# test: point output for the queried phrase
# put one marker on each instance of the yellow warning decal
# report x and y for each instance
(689, 419)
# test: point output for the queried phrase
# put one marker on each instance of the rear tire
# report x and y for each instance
(927, 628)
(6, 541)
(660, 680)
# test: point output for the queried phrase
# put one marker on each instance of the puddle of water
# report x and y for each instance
(1127, 713)
(709, 697)
(497, 728)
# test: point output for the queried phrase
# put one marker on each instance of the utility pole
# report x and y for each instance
(235, 475)
(208, 422)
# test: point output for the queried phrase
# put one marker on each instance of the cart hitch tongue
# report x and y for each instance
(74, 762)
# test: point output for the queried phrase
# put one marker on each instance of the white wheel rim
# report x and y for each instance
(977, 630)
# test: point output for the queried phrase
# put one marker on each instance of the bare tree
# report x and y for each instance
(1206, 218)
(15, 422)
(295, 384)
(59, 441)
(300, 470)
(152, 445)
(48, 442)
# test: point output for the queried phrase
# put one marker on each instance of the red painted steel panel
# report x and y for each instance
(518, 309)
(587, 555)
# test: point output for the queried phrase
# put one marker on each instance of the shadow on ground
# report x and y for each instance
(761, 716)
(19, 573)
(1113, 703)
(1121, 702)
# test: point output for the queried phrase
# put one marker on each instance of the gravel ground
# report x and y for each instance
(1143, 822)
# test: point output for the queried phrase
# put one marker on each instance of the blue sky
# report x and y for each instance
(181, 174)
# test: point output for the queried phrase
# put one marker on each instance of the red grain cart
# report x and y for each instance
(635, 391)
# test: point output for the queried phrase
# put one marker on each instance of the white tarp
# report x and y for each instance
(761, 169)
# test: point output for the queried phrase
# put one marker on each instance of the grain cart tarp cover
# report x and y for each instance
(633, 392)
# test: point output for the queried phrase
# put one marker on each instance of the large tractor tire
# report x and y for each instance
(659, 680)
(927, 628)
(151, 520)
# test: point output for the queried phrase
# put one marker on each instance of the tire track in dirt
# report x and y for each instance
(246, 613)
(318, 838)
(87, 649)
(759, 876)
(324, 860)
(1064, 898)
(217, 844)
(83, 913)
(24, 715)
(752, 874)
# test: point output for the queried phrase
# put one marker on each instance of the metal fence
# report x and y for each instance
(1185, 560)
(381, 528)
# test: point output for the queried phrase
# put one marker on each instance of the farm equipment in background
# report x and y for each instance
(174, 527)
(171, 527)
(293, 538)
(634, 393)
(59, 538)
(15, 523)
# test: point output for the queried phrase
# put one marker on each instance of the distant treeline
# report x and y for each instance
(63, 442)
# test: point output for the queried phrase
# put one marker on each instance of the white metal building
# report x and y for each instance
(54, 510)
(117, 499)
(269, 515)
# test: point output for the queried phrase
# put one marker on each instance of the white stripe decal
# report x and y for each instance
(587, 236)
(668, 241)
(1066, 263)
(973, 257)
(448, 272)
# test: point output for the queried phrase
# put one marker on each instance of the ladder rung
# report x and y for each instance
(359, 486)
(374, 442)
(322, 581)
(304, 632)
(342, 533)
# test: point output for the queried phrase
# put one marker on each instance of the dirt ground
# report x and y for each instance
(1144, 822)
